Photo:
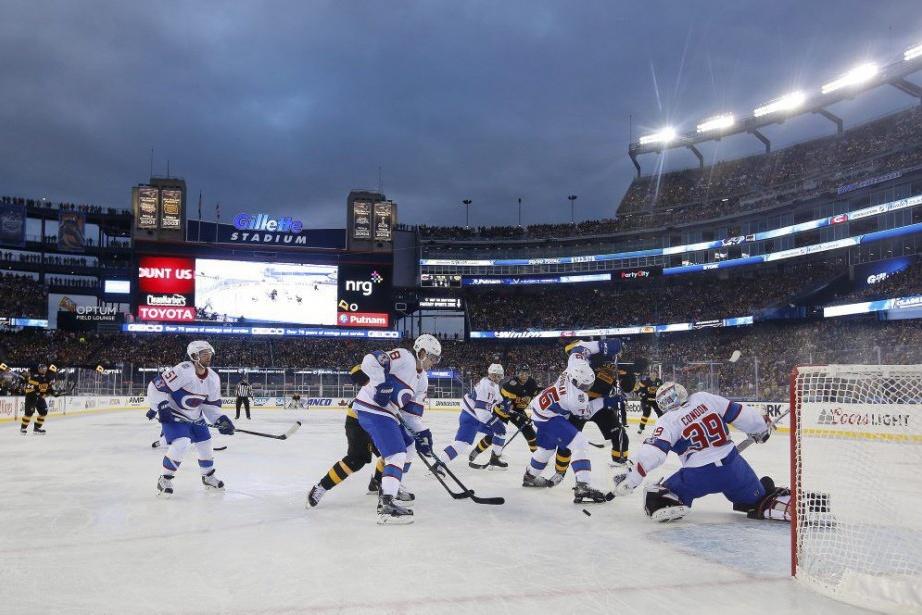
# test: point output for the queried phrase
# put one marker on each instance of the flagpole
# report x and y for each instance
(198, 236)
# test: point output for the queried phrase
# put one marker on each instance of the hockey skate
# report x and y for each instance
(583, 492)
(556, 479)
(374, 486)
(472, 456)
(391, 513)
(155, 444)
(165, 486)
(23, 431)
(314, 495)
(211, 481)
(497, 463)
(531, 480)
(39, 431)
(405, 498)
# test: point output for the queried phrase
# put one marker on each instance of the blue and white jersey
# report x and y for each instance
(191, 398)
(697, 431)
(396, 368)
(559, 399)
(480, 401)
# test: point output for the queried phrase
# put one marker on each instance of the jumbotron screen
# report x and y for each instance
(183, 289)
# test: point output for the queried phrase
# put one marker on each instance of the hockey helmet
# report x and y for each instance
(670, 396)
(431, 345)
(580, 375)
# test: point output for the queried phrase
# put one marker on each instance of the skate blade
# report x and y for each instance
(406, 503)
(164, 494)
(389, 520)
(496, 469)
(212, 488)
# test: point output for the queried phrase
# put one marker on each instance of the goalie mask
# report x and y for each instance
(670, 396)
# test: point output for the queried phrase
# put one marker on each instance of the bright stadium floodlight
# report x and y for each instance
(787, 102)
(664, 135)
(855, 76)
(718, 122)
(912, 53)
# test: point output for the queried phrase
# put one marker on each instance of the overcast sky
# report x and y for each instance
(283, 107)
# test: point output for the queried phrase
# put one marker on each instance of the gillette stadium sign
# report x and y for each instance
(263, 229)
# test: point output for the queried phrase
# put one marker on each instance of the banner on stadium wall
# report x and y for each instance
(882, 305)
(280, 331)
(632, 330)
(705, 245)
(71, 231)
(12, 225)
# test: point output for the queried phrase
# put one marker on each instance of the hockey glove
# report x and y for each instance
(383, 394)
(424, 442)
(610, 348)
(224, 425)
(762, 436)
(164, 414)
(151, 414)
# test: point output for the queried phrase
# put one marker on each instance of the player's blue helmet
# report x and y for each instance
(670, 396)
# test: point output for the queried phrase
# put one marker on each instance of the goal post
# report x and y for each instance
(856, 483)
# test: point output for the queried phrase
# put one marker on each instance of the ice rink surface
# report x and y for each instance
(81, 531)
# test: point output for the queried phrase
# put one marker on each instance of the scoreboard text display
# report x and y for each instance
(166, 288)
(364, 298)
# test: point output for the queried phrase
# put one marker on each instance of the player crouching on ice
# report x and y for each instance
(695, 427)
(550, 410)
(183, 398)
(478, 416)
(390, 409)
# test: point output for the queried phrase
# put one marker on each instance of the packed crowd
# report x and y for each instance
(700, 359)
(22, 296)
(905, 283)
(699, 297)
(767, 180)
(46, 204)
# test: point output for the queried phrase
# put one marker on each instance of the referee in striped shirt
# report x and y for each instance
(244, 392)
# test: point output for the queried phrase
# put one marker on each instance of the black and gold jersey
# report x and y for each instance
(359, 379)
(38, 384)
(519, 393)
(648, 388)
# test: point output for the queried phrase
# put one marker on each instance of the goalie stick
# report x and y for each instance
(742, 446)
(283, 436)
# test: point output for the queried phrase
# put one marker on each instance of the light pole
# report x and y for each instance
(572, 198)
(467, 212)
(520, 211)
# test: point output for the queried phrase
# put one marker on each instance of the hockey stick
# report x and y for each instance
(283, 436)
(742, 446)
(481, 466)
(465, 492)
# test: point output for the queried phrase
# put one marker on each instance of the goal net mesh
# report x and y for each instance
(856, 475)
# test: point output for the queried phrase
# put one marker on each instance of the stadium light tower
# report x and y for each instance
(572, 198)
(467, 212)
(663, 135)
(788, 102)
(520, 211)
(856, 76)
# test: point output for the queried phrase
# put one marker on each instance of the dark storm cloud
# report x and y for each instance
(284, 107)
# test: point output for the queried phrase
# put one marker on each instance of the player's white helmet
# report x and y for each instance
(496, 369)
(670, 396)
(580, 375)
(197, 346)
(431, 345)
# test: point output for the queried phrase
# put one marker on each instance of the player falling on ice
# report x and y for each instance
(695, 427)
(390, 409)
(185, 397)
(550, 411)
(479, 415)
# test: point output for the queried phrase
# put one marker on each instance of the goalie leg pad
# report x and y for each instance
(662, 505)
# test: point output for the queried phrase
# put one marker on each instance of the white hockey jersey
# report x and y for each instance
(698, 432)
(398, 368)
(480, 401)
(190, 397)
(559, 399)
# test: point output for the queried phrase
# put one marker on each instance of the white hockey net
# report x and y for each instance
(856, 479)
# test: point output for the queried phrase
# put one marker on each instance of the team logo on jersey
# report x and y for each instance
(191, 401)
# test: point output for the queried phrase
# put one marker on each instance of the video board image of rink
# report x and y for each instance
(266, 292)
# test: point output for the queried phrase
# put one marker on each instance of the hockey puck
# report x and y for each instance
(587, 513)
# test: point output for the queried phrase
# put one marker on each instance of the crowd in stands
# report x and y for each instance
(792, 174)
(905, 283)
(563, 307)
(22, 296)
(46, 204)
(699, 359)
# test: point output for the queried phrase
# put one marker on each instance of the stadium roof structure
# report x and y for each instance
(861, 78)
